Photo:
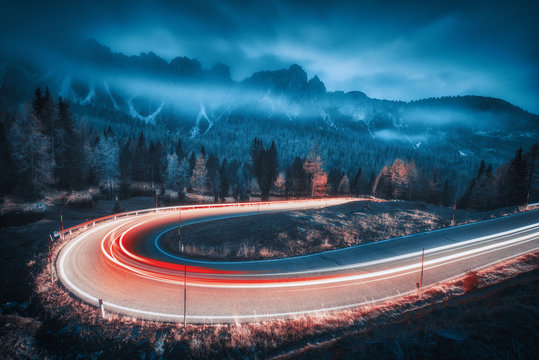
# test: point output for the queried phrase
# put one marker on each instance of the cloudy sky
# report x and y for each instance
(401, 50)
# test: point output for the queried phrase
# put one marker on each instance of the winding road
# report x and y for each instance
(120, 260)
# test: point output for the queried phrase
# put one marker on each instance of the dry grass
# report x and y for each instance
(470, 282)
(311, 231)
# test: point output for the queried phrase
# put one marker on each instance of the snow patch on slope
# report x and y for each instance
(327, 119)
(88, 97)
(150, 118)
(195, 130)
(114, 103)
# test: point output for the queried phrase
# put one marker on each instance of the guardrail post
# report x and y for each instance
(421, 278)
(50, 258)
(102, 308)
(184, 295)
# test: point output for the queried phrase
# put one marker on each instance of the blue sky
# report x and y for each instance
(388, 49)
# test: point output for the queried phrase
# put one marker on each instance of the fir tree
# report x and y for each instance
(140, 161)
(356, 185)
(173, 169)
(199, 179)
(344, 186)
(532, 168)
(318, 179)
(224, 181)
(179, 149)
(157, 165)
(297, 179)
(517, 180)
(279, 185)
(434, 188)
(446, 196)
(106, 155)
(68, 149)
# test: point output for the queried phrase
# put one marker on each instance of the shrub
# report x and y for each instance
(470, 282)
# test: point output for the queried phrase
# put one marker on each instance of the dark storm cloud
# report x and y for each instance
(388, 49)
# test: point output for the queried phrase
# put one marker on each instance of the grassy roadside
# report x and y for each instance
(493, 311)
(311, 231)
(490, 318)
(40, 319)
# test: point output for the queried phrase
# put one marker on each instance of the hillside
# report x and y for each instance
(205, 107)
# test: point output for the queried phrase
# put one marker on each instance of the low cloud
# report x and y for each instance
(390, 50)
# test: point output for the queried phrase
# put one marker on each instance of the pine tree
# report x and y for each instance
(39, 152)
(382, 187)
(518, 179)
(297, 179)
(192, 163)
(6, 175)
(446, 196)
(68, 149)
(356, 186)
(344, 186)
(399, 173)
(318, 179)
(184, 175)
(37, 102)
(434, 196)
(279, 185)
(270, 170)
(264, 165)
(212, 165)
(173, 169)
(257, 150)
(483, 193)
(465, 201)
(157, 162)
(22, 157)
(224, 181)
(179, 150)
(532, 168)
(334, 179)
(126, 160)
(140, 161)
(48, 119)
(106, 157)
(199, 179)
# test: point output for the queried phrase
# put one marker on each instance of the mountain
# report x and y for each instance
(206, 107)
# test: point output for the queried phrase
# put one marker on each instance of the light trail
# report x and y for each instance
(304, 280)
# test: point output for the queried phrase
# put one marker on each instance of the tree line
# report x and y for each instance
(43, 149)
(514, 182)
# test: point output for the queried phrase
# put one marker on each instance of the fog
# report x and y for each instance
(390, 50)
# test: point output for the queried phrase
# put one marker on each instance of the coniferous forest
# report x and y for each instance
(46, 147)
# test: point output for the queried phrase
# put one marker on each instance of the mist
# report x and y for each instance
(389, 51)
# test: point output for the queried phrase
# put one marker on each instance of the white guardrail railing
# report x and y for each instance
(96, 221)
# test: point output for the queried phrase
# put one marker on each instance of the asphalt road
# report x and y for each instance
(121, 261)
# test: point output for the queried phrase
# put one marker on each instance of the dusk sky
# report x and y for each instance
(397, 50)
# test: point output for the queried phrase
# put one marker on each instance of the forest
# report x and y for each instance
(45, 148)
